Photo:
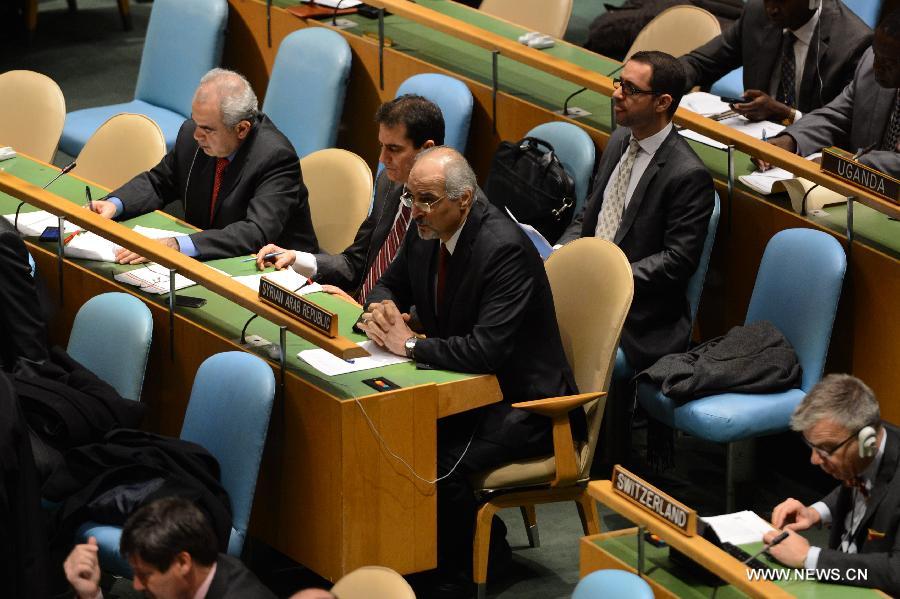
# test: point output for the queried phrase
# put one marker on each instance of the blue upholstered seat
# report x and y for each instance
(184, 40)
(575, 150)
(731, 85)
(452, 97)
(228, 414)
(867, 10)
(305, 96)
(612, 584)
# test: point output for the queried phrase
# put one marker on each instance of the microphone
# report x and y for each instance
(565, 109)
(334, 14)
(64, 171)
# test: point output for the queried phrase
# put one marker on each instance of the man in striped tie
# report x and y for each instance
(406, 126)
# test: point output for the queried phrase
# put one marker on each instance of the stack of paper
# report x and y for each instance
(762, 181)
(90, 246)
(710, 105)
(739, 528)
(153, 278)
(287, 278)
(32, 224)
(330, 365)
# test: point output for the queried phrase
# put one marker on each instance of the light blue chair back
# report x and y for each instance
(228, 414)
(797, 289)
(575, 150)
(305, 97)
(731, 85)
(867, 10)
(612, 584)
(452, 97)
(111, 337)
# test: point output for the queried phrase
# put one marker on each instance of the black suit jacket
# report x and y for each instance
(234, 581)
(348, 269)
(262, 198)
(662, 234)
(877, 541)
(498, 315)
(755, 43)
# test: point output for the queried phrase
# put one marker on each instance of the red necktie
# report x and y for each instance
(221, 165)
(387, 252)
(443, 263)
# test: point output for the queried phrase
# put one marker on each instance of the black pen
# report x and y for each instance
(268, 256)
(87, 192)
(765, 548)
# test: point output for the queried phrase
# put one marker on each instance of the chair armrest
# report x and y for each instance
(558, 408)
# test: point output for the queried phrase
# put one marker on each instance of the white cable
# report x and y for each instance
(404, 462)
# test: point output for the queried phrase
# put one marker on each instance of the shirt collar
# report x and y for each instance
(872, 469)
(805, 32)
(451, 243)
(651, 144)
(204, 588)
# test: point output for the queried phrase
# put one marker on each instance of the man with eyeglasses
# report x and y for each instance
(652, 196)
(839, 420)
(485, 306)
(406, 126)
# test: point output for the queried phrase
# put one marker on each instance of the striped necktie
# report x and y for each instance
(787, 89)
(221, 165)
(892, 133)
(387, 252)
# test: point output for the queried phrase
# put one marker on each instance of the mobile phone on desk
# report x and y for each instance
(187, 301)
(50, 234)
(728, 100)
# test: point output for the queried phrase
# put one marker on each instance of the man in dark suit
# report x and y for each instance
(172, 550)
(22, 325)
(797, 56)
(238, 176)
(865, 117)
(485, 306)
(839, 420)
(406, 126)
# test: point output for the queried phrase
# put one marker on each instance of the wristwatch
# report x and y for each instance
(410, 345)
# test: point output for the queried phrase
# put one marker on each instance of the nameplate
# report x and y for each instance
(655, 502)
(840, 163)
(304, 310)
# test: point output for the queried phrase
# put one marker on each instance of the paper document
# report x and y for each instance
(153, 278)
(32, 224)
(762, 181)
(334, 3)
(540, 242)
(330, 365)
(739, 528)
(710, 105)
(287, 278)
(90, 246)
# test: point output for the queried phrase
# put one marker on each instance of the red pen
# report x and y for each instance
(70, 237)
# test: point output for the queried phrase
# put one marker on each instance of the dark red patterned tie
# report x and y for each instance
(443, 263)
(387, 252)
(221, 165)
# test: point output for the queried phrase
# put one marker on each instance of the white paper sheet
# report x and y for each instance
(709, 104)
(334, 3)
(540, 242)
(90, 246)
(330, 365)
(287, 278)
(739, 528)
(153, 278)
(32, 224)
(762, 181)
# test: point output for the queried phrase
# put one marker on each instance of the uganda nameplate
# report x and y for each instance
(652, 500)
(304, 310)
(840, 163)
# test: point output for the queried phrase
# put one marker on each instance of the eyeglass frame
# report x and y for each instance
(629, 89)
(406, 198)
(822, 452)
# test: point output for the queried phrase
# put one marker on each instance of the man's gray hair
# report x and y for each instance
(237, 101)
(840, 397)
(459, 177)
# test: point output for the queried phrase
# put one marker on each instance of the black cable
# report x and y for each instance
(803, 201)
(565, 110)
(244, 330)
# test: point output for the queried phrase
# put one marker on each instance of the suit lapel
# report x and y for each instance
(422, 267)
(880, 117)
(592, 211)
(818, 46)
(459, 261)
(886, 470)
(767, 57)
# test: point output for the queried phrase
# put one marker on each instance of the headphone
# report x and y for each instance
(868, 442)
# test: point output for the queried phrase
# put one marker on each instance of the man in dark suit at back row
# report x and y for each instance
(797, 56)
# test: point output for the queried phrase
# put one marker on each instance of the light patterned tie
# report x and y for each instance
(892, 133)
(614, 206)
(387, 252)
(787, 88)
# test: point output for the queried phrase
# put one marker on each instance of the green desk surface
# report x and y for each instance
(219, 314)
(688, 586)
(548, 91)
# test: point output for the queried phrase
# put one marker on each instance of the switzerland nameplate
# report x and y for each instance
(304, 310)
(841, 164)
(652, 500)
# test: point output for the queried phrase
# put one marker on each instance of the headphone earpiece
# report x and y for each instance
(867, 438)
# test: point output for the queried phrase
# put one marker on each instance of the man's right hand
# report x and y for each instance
(287, 258)
(790, 514)
(104, 208)
(82, 569)
(785, 142)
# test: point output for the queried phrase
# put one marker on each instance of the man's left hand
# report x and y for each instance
(124, 256)
(791, 551)
(762, 107)
(384, 324)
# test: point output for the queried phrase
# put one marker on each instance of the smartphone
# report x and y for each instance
(728, 100)
(188, 301)
(50, 234)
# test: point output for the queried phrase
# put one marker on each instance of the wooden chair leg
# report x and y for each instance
(587, 511)
(481, 547)
(529, 517)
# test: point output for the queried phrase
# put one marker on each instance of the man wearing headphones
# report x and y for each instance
(839, 421)
(797, 56)
(237, 174)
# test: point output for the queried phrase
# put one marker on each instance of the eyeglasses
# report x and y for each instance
(827, 453)
(406, 198)
(628, 89)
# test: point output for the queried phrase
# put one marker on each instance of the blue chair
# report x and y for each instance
(111, 337)
(731, 85)
(867, 10)
(305, 96)
(452, 97)
(612, 584)
(575, 150)
(622, 371)
(228, 414)
(184, 40)
(797, 289)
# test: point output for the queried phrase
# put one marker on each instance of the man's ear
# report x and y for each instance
(663, 102)
(243, 128)
(467, 199)
(184, 562)
(428, 144)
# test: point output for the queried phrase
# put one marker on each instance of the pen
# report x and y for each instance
(266, 257)
(765, 137)
(70, 237)
(87, 193)
(765, 548)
